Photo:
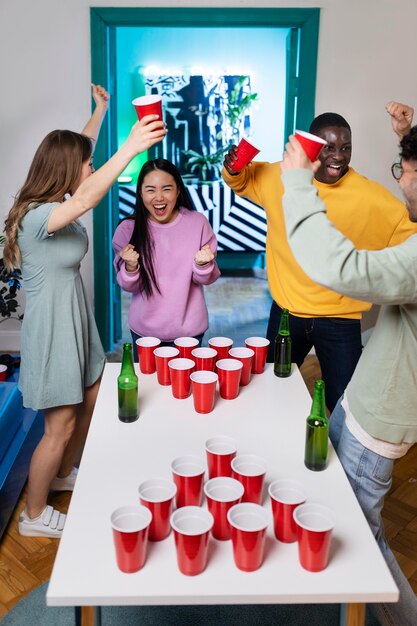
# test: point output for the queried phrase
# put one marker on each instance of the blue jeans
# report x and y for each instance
(337, 342)
(163, 343)
(370, 476)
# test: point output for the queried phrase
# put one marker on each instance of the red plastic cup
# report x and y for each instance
(250, 470)
(130, 526)
(145, 347)
(229, 372)
(186, 345)
(162, 357)
(188, 474)
(245, 356)
(222, 345)
(222, 493)
(192, 526)
(220, 451)
(245, 152)
(3, 372)
(148, 105)
(260, 347)
(249, 523)
(205, 358)
(285, 496)
(180, 371)
(204, 384)
(315, 525)
(311, 144)
(158, 494)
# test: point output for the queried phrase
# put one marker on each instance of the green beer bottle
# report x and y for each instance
(282, 355)
(317, 431)
(127, 384)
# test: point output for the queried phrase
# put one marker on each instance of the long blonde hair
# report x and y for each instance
(55, 171)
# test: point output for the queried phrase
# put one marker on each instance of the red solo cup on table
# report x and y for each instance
(311, 144)
(222, 493)
(158, 494)
(203, 384)
(130, 525)
(245, 356)
(205, 358)
(192, 526)
(180, 371)
(315, 525)
(222, 345)
(145, 347)
(220, 451)
(186, 345)
(248, 522)
(229, 372)
(285, 496)
(245, 152)
(148, 105)
(3, 372)
(250, 470)
(188, 474)
(260, 347)
(163, 356)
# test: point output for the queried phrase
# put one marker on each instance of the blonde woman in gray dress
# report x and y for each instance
(62, 358)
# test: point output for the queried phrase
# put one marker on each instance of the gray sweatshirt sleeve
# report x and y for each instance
(387, 276)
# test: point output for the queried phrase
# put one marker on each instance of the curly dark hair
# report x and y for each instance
(408, 145)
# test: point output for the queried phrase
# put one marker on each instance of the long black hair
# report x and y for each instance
(141, 237)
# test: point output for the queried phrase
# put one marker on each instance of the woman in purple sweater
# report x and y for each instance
(165, 253)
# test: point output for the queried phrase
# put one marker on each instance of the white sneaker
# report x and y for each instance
(65, 484)
(49, 523)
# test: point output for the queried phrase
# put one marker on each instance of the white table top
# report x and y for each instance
(268, 419)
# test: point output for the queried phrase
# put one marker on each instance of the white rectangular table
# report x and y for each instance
(268, 419)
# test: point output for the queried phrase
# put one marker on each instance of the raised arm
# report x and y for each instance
(101, 99)
(143, 135)
(401, 117)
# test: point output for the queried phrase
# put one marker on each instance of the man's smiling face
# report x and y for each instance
(335, 156)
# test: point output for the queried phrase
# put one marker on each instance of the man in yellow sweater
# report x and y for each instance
(364, 211)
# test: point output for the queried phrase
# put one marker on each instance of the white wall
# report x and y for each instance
(367, 56)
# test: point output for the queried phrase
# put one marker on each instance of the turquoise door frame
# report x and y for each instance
(301, 85)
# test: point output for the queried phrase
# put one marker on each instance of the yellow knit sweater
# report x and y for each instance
(364, 211)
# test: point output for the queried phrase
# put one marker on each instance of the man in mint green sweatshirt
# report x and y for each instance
(375, 421)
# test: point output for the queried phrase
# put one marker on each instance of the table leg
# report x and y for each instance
(87, 616)
(352, 614)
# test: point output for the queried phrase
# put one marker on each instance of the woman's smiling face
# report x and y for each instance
(159, 193)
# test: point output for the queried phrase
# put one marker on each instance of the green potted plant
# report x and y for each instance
(10, 283)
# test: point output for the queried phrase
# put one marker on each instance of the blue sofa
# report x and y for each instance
(20, 432)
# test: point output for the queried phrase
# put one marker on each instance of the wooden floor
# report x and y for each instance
(26, 563)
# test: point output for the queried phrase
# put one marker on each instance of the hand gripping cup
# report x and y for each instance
(204, 358)
(311, 144)
(188, 475)
(180, 371)
(148, 105)
(249, 523)
(130, 526)
(250, 470)
(229, 372)
(203, 385)
(145, 347)
(186, 345)
(245, 356)
(245, 152)
(162, 357)
(158, 494)
(260, 347)
(220, 451)
(285, 496)
(315, 525)
(222, 493)
(191, 526)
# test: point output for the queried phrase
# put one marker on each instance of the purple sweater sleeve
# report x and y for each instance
(129, 281)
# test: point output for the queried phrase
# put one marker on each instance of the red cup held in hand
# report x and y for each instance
(311, 144)
(245, 152)
(158, 494)
(130, 526)
(148, 105)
